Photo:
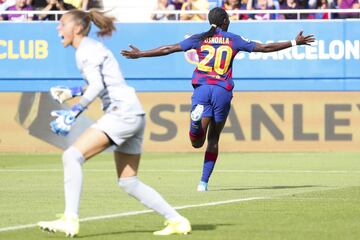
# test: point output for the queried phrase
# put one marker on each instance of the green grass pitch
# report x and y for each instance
(253, 196)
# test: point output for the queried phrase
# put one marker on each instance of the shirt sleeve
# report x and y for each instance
(190, 43)
(243, 44)
(90, 66)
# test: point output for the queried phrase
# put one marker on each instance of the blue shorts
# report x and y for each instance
(216, 101)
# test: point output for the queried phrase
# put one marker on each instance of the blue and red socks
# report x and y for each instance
(209, 164)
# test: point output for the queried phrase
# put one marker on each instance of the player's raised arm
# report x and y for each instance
(277, 46)
(160, 51)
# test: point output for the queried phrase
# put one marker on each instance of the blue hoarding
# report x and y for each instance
(33, 59)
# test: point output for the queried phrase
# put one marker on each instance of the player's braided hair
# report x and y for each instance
(104, 23)
(216, 18)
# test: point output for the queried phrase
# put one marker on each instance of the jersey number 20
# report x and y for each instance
(218, 54)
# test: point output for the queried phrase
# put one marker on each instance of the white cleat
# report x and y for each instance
(196, 114)
(178, 226)
(68, 225)
(202, 187)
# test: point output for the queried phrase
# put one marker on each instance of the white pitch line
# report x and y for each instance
(190, 171)
(13, 228)
(132, 213)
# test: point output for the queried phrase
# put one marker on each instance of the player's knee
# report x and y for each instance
(72, 154)
(213, 144)
(213, 140)
(128, 183)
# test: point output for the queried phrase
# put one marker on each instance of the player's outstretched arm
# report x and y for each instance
(272, 47)
(160, 51)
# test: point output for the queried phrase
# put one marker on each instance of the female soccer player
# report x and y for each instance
(212, 79)
(122, 124)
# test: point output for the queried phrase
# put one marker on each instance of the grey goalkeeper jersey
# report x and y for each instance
(102, 73)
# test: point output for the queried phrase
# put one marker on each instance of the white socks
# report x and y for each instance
(73, 178)
(148, 196)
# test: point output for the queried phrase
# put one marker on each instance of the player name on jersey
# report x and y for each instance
(217, 40)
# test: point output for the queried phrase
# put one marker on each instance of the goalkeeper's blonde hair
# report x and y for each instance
(104, 23)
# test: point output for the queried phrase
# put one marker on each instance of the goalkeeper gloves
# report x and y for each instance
(62, 93)
(65, 119)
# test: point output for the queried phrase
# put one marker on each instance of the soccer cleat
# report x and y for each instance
(202, 187)
(196, 114)
(178, 226)
(66, 224)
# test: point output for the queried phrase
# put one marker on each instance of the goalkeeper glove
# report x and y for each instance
(65, 119)
(62, 93)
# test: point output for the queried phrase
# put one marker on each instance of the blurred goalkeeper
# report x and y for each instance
(122, 124)
(212, 79)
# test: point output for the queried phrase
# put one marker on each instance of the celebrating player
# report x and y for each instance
(122, 124)
(212, 79)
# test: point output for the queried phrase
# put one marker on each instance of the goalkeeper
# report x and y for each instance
(122, 124)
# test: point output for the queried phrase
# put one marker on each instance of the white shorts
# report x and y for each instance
(126, 131)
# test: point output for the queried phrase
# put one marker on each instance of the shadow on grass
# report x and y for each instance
(264, 188)
(207, 227)
(195, 227)
(102, 234)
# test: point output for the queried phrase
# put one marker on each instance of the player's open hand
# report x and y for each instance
(133, 53)
(304, 40)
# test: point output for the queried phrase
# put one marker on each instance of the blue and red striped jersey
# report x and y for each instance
(216, 55)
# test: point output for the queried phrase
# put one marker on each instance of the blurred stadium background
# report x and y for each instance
(288, 167)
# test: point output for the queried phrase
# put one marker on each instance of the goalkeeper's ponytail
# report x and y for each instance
(104, 23)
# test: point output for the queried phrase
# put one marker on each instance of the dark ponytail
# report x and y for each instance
(217, 17)
(209, 33)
